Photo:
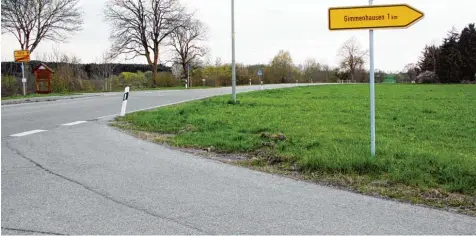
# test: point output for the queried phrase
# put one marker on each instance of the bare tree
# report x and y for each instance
(411, 71)
(177, 71)
(32, 21)
(139, 27)
(352, 56)
(185, 42)
(311, 69)
(104, 71)
(218, 62)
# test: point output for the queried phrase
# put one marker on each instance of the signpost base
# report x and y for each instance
(23, 80)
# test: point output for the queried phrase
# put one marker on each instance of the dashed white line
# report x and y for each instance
(74, 123)
(28, 133)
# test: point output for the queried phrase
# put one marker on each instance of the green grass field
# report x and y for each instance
(426, 134)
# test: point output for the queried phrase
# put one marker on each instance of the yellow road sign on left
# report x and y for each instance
(22, 55)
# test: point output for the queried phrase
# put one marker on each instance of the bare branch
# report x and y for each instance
(32, 21)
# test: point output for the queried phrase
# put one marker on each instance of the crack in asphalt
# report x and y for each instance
(30, 231)
(137, 208)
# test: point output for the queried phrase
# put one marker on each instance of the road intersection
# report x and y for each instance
(65, 171)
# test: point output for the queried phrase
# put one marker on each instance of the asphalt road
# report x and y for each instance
(45, 115)
(89, 178)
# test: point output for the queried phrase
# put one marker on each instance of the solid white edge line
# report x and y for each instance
(74, 123)
(28, 133)
(148, 108)
(189, 100)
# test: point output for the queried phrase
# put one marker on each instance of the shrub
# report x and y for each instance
(427, 77)
(9, 85)
(58, 84)
(143, 80)
(149, 78)
(86, 85)
(167, 79)
(133, 80)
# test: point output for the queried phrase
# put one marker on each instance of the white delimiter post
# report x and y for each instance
(124, 101)
(372, 91)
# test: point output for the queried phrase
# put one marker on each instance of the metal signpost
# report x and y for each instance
(23, 79)
(22, 56)
(260, 73)
(373, 17)
(233, 66)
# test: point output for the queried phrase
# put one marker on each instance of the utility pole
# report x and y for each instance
(233, 67)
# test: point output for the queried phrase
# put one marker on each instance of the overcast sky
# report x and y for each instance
(263, 27)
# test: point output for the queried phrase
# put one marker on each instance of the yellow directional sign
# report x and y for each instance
(22, 56)
(373, 17)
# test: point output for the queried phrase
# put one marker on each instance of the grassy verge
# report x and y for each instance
(35, 95)
(426, 151)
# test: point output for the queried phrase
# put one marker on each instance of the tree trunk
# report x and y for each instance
(185, 72)
(155, 75)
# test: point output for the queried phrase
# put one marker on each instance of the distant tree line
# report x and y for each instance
(454, 61)
(280, 69)
(89, 69)
(72, 76)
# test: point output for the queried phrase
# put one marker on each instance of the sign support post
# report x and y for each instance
(260, 73)
(372, 90)
(233, 66)
(23, 79)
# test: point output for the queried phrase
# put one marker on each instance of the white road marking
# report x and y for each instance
(103, 117)
(28, 133)
(194, 99)
(74, 123)
(149, 108)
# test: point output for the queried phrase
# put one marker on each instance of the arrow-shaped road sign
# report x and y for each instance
(373, 17)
